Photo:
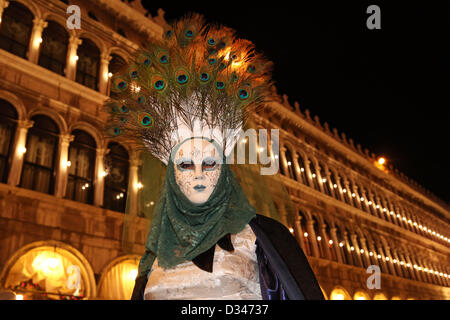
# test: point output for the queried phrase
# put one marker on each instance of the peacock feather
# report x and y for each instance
(195, 71)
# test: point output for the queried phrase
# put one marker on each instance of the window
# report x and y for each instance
(53, 53)
(82, 154)
(290, 164)
(302, 169)
(305, 237)
(325, 181)
(88, 64)
(38, 172)
(116, 180)
(8, 117)
(15, 29)
(314, 176)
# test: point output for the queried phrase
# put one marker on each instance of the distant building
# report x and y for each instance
(64, 186)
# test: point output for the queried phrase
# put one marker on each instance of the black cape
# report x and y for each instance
(284, 271)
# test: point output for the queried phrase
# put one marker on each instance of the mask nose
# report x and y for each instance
(198, 173)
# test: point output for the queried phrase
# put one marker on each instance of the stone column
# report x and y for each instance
(36, 39)
(72, 58)
(133, 184)
(308, 173)
(319, 178)
(3, 5)
(299, 232)
(338, 189)
(349, 252)
(389, 263)
(348, 194)
(382, 260)
(365, 255)
(325, 242)
(284, 161)
(354, 239)
(330, 184)
(336, 244)
(297, 171)
(19, 151)
(356, 199)
(99, 178)
(312, 236)
(62, 171)
(105, 58)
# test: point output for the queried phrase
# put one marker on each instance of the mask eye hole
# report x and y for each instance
(186, 165)
(209, 164)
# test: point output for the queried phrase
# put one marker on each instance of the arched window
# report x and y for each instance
(8, 118)
(38, 172)
(353, 194)
(304, 236)
(116, 180)
(116, 64)
(314, 177)
(55, 40)
(341, 245)
(320, 241)
(302, 168)
(334, 179)
(325, 182)
(15, 29)
(290, 164)
(82, 154)
(331, 245)
(88, 64)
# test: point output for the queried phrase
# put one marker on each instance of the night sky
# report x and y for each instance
(387, 89)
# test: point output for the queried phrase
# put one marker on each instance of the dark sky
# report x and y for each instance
(387, 89)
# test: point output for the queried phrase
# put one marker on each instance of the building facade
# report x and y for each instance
(64, 185)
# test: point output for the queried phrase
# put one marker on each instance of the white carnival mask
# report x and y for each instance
(197, 166)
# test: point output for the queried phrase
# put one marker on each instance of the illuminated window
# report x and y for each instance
(339, 294)
(116, 179)
(360, 295)
(53, 51)
(8, 117)
(40, 156)
(82, 154)
(118, 282)
(15, 29)
(48, 273)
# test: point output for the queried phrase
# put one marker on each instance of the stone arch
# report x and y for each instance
(34, 9)
(16, 102)
(120, 52)
(115, 262)
(339, 293)
(380, 296)
(95, 39)
(55, 116)
(61, 20)
(361, 295)
(93, 131)
(86, 268)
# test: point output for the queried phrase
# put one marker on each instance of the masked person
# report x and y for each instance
(185, 99)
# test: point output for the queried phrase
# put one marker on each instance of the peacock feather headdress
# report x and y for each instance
(199, 79)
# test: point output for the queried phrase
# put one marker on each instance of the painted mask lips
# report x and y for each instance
(199, 187)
